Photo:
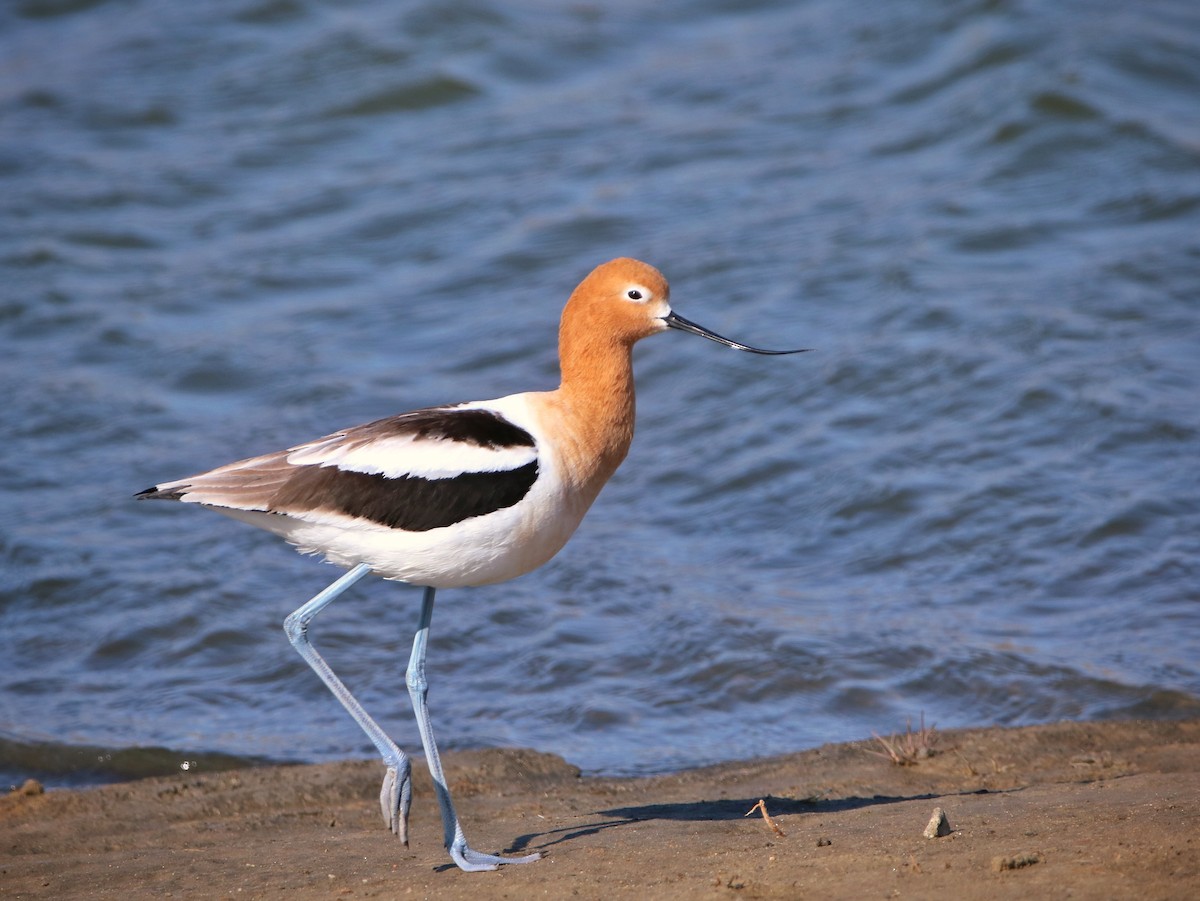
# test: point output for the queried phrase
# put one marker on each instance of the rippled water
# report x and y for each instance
(230, 226)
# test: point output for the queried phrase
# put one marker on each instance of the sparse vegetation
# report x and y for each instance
(911, 747)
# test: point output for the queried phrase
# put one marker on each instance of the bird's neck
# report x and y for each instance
(596, 403)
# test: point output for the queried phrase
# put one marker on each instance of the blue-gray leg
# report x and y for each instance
(418, 690)
(396, 795)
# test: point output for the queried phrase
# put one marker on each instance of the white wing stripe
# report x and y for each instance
(407, 455)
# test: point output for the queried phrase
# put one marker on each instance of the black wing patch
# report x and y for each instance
(410, 503)
(483, 428)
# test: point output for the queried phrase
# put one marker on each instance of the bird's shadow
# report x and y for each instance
(702, 811)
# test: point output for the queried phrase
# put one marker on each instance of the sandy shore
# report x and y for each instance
(1078, 810)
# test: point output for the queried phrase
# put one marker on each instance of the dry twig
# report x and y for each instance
(762, 806)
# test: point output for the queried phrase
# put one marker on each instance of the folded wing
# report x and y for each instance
(413, 472)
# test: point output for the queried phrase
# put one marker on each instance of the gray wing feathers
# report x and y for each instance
(245, 485)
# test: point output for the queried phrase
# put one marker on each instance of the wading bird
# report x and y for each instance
(454, 496)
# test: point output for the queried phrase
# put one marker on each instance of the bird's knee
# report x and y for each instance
(416, 682)
(296, 628)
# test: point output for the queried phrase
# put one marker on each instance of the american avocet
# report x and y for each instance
(453, 496)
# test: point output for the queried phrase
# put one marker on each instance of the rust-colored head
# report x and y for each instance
(621, 301)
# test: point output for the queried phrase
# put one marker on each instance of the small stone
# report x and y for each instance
(30, 787)
(824, 842)
(939, 825)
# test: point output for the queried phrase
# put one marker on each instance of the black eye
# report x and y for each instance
(633, 294)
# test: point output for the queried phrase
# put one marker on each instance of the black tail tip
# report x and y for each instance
(155, 493)
(152, 493)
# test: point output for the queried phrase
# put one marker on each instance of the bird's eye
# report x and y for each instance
(633, 294)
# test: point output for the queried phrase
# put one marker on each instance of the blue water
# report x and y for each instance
(230, 226)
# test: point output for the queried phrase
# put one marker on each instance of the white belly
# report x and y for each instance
(477, 551)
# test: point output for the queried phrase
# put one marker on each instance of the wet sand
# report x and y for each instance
(1079, 810)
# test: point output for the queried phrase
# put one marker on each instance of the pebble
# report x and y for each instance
(939, 824)
(30, 787)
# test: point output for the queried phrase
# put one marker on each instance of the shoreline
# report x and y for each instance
(1093, 810)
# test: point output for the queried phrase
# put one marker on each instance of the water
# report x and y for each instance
(230, 226)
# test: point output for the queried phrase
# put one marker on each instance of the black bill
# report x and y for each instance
(676, 321)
